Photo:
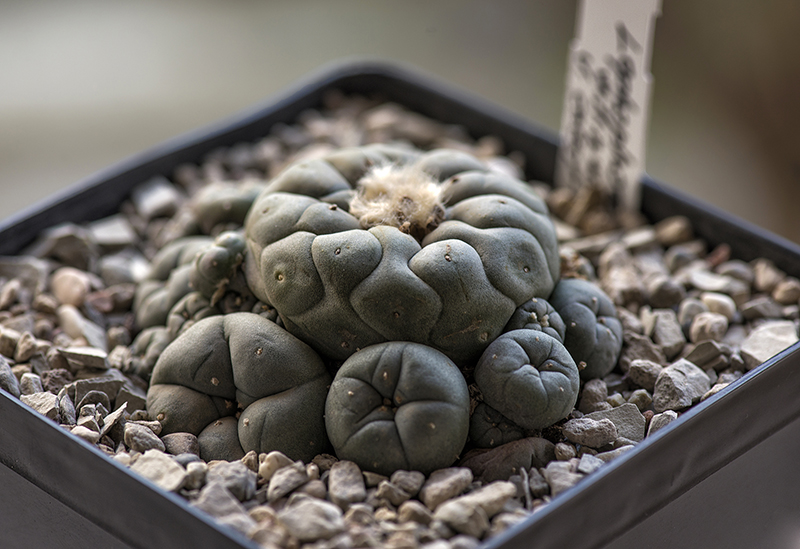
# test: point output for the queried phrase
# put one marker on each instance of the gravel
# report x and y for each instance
(694, 321)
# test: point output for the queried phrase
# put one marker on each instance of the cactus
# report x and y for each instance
(593, 332)
(529, 377)
(242, 362)
(424, 261)
(488, 428)
(538, 314)
(398, 405)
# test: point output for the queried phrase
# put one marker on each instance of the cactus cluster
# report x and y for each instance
(397, 303)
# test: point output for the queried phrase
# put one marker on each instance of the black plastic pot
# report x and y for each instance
(722, 475)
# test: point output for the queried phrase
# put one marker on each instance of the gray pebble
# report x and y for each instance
(140, 438)
(639, 347)
(537, 483)
(113, 232)
(30, 384)
(75, 325)
(94, 397)
(613, 454)
(160, 469)
(286, 480)
(236, 477)
(768, 340)
(667, 332)
(86, 357)
(761, 307)
(408, 481)
(708, 325)
(560, 476)
(589, 464)
(705, 353)
(712, 282)
(445, 484)
(719, 303)
(89, 435)
(45, 403)
(392, 493)
(272, 462)
(470, 514)
(156, 197)
(70, 286)
(181, 443)
(673, 230)
(26, 348)
(644, 373)
(8, 381)
(689, 308)
(615, 400)
(195, 473)
(66, 408)
(787, 291)
(463, 542)
(766, 275)
(627, 419)
(679, 386)
(594, 393)
(312, 519)
(185, 459)
(641, 398)
(414, 511)
(346, 484)
(565, 452)
(661, 420)
(590, 432)
(218, 502)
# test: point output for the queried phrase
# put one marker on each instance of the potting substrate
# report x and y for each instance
(360, 328)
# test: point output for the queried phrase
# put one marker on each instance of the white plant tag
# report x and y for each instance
(607, 100)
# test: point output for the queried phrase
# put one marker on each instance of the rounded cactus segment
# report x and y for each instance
(488, 428)
(242, 362)
(220, 203)
(593, 331)
(220, 440)
(216, 265)
(537, 314)
(398, 405)
(529, 377)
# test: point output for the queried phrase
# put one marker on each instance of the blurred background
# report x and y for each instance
(84, 84)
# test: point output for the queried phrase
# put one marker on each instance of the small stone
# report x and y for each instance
(89, 422)
(613, 454)
(8, 381)
(85, 357)
(392, 493)
(45, 403)
(157, 197)
(414, 511)
(641, 399)
(70, 286)
(89, 435)
(346, 484)
(271, 462)
(218, 502)
(689, 308)
(787, 291)
(26, 348)
(312, 519)
(594, 393)
(661, 420)
(766, 341)
(560, 476)
(679, 386)
(53, 380)
(359, 514)
(8, 341)
(66, 409)
(372, 479)
(30, 383)
(667, 332)
(537, 483)
(236, 477)
(161, 470)
(615, 400)
(76, 326)
(766, 276)
(250, 461)
(408, 481)
(708, 326)
(94, 397)
(462, 542)
(705, 352)
(761, 307)
(286, 480)
(640, 238)
(719, 303)
(504, 521)
(674, 230)
(712, 282)
(445, 484)
(181, 443)
(134, 397)
(323, 461)
(589, 464)
(114, 418)
(627, 419)
(508, 459)
(469, 514)
(565, 452)
(736, 268)
(314, 488)
(195, 475)
(644, 373)
(113, 232)
(590, 432)
(639, 347)
(141, 439)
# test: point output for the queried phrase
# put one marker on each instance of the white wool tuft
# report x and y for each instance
(399, 196)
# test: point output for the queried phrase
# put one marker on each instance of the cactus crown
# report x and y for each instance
(399, 196)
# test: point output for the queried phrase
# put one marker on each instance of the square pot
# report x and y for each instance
(721, 475)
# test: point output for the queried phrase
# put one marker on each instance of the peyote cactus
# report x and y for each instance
(398, 405)
(407, 266)
(440, 251)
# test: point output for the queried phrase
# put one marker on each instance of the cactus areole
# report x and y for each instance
(408, 266)
(383, 244)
